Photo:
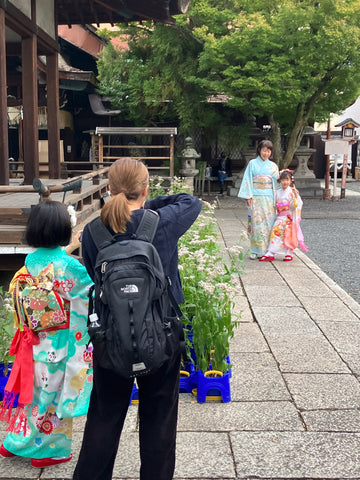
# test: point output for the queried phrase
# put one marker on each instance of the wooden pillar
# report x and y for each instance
(101, 148)
(4, 142)
(172, 155)
(53, 115)
(30, 104)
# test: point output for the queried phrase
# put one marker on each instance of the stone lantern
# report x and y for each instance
(303, 153)
(188, 157)
(305, 179)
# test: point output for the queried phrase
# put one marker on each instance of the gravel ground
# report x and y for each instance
(332, 232)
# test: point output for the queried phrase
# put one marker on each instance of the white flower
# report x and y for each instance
(72, 213)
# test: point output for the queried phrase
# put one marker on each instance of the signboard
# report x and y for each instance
(336, 146)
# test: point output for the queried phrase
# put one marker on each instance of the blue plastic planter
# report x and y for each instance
(134, 399)
(188, 382)
(3, 381)
(213, 387)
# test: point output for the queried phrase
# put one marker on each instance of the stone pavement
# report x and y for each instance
(295, 409)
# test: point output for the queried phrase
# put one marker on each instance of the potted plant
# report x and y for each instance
(208, 282)
(208, 278)
(6, 335)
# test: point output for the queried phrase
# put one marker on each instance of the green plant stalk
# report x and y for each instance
(6, 326)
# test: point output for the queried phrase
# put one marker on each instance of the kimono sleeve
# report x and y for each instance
(246, 189)
(74, 281)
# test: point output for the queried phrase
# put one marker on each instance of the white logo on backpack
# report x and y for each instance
(130, 289)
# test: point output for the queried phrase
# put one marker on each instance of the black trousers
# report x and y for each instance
(158, 408)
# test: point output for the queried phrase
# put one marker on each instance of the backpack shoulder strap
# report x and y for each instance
(99, 233)
(147, 226)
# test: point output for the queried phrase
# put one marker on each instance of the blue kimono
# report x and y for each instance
(259, 183)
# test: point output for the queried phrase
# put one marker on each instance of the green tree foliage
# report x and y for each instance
(153, 80)
(292, 61)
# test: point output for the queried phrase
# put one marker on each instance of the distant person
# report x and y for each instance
(286, 232)
(52, 372)
(224, 170)
(258, 187)
(158, 391)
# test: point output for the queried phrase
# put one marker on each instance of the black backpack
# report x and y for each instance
(130, 324)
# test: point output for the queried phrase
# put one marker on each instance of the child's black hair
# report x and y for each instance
(286, 174)
(48, 225)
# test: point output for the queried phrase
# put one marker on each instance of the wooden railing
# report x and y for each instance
(85, 193)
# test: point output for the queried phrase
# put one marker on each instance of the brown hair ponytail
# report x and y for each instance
(128, 178)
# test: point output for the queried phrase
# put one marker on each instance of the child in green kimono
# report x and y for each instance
(52, 372)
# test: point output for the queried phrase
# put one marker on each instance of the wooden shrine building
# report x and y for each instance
(28, 30)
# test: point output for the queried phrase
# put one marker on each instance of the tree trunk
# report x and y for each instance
(295, 136)
(276, 140)
(304, 112)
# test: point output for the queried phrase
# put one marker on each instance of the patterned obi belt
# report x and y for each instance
(262, 182)
(283, 209)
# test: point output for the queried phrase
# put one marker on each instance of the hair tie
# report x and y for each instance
(121, 191)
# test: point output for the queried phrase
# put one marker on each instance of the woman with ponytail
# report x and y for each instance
(158, 392)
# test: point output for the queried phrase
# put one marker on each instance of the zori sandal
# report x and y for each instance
(288, 258)
(49, 462)
(6, 453)
(266, 258)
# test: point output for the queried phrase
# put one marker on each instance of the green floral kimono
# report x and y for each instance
(62, 365)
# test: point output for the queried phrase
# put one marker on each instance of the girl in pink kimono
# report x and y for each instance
(286, 232)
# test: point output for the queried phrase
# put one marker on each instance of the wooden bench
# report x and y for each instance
(209, 180)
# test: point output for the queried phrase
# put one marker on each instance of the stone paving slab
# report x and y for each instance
(242, 309)
(18, 468)
(248, 338)
(256, 377)
(344, 336)
(243, 416)
(284, 320)
(271, 296)
(306, 284)
(332, 420)
(202, 454)
(305, 353)
(296, 455)
(329, 309)
(251, 277)
(353, 361)
(320, 391)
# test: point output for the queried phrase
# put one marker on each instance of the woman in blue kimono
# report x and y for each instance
(258, 187)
